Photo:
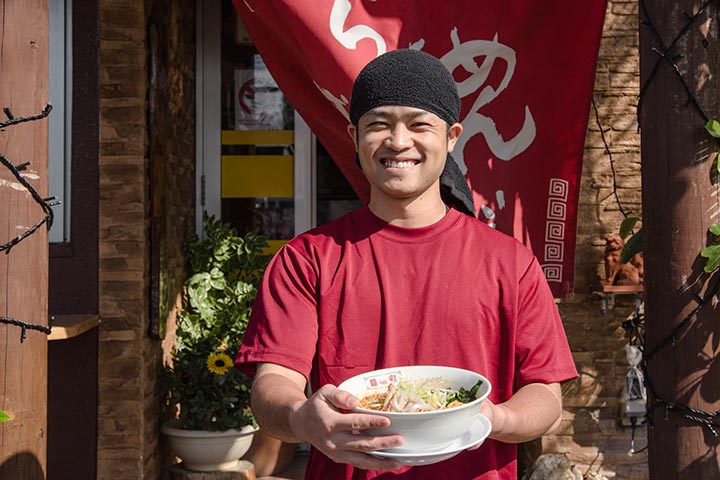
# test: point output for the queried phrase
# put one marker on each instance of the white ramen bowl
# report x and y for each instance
(422, 430)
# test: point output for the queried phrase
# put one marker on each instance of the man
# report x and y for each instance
(406, 280)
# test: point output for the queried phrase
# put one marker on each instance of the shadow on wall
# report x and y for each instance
(23, 465)
(705, 466)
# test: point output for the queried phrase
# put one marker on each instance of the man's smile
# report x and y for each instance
(398, 163)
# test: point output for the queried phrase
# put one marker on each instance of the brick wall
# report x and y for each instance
(130, 358)
(591, 436)
(616, 92)
(123, 240)
(171, 27)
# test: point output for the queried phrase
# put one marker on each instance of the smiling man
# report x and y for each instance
(402, 153)
(411, 279)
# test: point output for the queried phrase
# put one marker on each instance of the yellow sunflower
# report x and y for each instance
(219, 363)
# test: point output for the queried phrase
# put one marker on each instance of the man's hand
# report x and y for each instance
(321, 421)
(282, 409)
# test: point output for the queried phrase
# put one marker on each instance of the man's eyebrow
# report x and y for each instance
(384, 113)
(377, 112)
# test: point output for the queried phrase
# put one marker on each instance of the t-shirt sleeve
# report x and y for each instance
(283, 324)
(542, 350)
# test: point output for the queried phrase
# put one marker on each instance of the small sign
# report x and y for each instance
(259, 102)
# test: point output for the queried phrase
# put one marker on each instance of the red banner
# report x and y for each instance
(525, 71)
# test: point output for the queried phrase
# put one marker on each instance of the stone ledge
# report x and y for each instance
(244, 470)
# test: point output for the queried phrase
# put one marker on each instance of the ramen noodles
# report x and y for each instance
(418, 395)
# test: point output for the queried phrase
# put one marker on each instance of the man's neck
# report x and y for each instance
(413, 213)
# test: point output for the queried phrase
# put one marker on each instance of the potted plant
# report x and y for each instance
(212, 396)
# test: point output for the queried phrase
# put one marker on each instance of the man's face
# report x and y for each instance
(402, 150)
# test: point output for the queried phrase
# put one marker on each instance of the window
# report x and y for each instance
(60, 134)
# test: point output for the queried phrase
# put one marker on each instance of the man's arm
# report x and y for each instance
(275, 391)
(281, 409)
(534, 410)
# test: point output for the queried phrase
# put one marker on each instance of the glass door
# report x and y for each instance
(260, 168)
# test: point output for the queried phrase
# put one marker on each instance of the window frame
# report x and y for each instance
(60, 119)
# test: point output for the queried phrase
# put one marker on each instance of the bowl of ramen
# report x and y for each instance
(430, 406)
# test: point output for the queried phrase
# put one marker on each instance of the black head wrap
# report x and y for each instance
(412, 78)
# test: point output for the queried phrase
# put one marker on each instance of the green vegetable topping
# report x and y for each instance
(467, 396)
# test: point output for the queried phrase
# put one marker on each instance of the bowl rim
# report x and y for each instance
(445, 411)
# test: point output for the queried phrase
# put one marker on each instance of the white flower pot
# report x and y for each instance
(205, 451)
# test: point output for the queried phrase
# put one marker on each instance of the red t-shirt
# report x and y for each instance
(359, 294)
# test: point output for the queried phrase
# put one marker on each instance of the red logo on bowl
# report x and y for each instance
(383, 379)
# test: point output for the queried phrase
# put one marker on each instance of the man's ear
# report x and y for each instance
(352, 131)
(453, 134)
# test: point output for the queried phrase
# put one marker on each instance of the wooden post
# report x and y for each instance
(24, 271)
(680, 201)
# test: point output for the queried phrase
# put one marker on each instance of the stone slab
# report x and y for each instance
(244, 470)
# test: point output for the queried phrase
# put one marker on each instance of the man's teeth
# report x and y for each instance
(398, 164)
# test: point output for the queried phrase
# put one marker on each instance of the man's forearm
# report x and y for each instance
(534, 410)
(273, 399)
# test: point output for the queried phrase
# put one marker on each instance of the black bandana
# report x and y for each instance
(412, 78)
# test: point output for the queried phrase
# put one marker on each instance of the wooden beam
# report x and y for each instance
(24, 271)
(70, 326)
(679, 203)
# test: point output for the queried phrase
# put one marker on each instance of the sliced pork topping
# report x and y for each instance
(402, 401)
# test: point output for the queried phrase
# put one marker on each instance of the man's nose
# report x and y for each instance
(399, 138)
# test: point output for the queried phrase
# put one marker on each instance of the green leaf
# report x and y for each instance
(713, 128)
(712, 253)
(4, 417)
(715, 229)
(627, 226)
(632, 246)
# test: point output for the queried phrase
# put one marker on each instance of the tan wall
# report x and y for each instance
(616, 92)
(131, 160)
(591, 436)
